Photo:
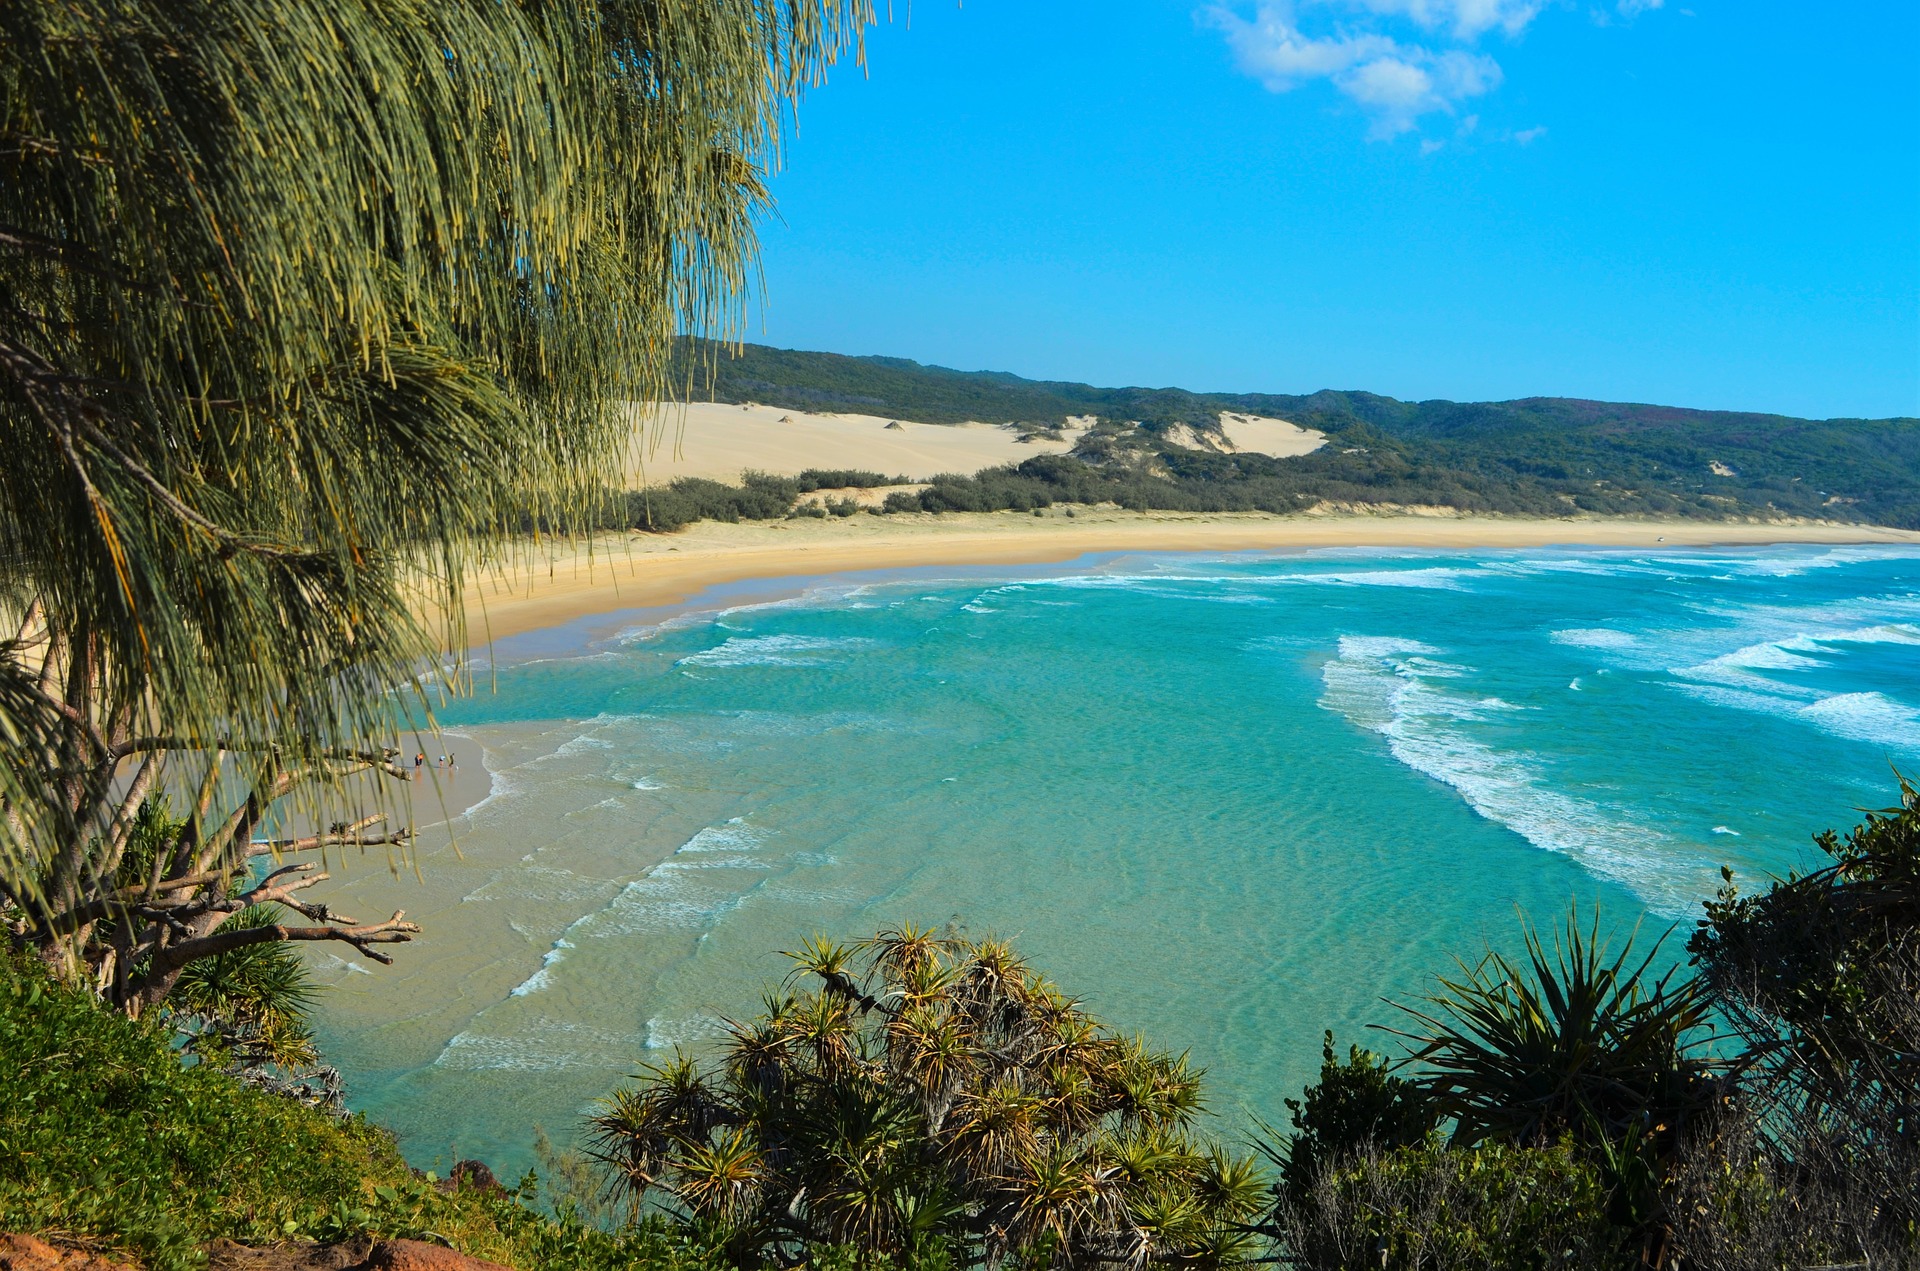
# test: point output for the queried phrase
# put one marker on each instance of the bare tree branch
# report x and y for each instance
(393, 931)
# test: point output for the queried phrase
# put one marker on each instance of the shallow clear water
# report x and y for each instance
(1230, 801)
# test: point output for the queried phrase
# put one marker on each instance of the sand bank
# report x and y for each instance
(636, 570)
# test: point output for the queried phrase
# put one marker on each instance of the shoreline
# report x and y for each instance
(613, 573)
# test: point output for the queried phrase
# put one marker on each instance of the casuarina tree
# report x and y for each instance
(305, 309)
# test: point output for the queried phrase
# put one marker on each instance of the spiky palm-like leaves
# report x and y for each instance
(1573, 1042)
(933, 1091)
(259, 993)
(304, 308)
(1577, 1045)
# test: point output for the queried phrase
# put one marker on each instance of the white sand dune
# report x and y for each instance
(1263, 436)
(719, 442)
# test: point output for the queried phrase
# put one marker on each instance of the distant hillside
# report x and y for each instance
(1541, 455)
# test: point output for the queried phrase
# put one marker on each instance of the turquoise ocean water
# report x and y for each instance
(1229, 800)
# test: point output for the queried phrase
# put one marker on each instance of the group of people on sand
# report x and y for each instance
(420, 762)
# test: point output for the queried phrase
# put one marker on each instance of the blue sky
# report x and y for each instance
(1711, 204)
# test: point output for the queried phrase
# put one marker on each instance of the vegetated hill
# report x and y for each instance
(1539, 455)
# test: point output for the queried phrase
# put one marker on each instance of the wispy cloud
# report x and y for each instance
(1465, 19)
(1394, 81)
(1398, 60)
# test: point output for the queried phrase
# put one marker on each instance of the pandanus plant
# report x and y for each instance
(1583, 1044)
(1580, 1041)
(916, 1094)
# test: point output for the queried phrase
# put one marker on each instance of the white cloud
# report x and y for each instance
(1465, 19)
(1396, 83)
(1527, 136)
(1398, 60)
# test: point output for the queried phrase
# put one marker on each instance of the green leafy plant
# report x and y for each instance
(1819, 976)
(1492, 1207)
(106, 1135)
(1354, 1106)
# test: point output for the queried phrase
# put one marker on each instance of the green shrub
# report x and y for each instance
(1354, 1106)
(843, 479)
(680, 503)
(1497, 1207)
(107, 1135)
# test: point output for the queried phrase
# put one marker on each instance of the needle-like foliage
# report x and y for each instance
(305, 308)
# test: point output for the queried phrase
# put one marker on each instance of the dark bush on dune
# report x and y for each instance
(680, 503)
(843, 479)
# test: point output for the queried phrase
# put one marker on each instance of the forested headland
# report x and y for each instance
(1532, 457)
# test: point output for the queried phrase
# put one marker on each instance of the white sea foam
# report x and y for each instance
(686, 1030)
(1868, 717)
(1741, 667)
(501, 786)
(664, 898)
(736, 835)
(774, 650)
(1173, 584)
(1884, 633)
(537, 883)
(580, 745)
(517, 1053)
(539, 979)
(546, 1045)
(1604, 566)
(1722, 829)
(812, 597)
(1387, 685)
(627, 637)
(1788, 565)
(1769, 677)
(1438, 577)
(1595, 638)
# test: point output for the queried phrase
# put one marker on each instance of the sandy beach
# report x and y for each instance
(542, 588)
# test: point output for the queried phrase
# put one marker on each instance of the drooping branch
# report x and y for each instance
(230, 542)
(344, 834)
(394, 930)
